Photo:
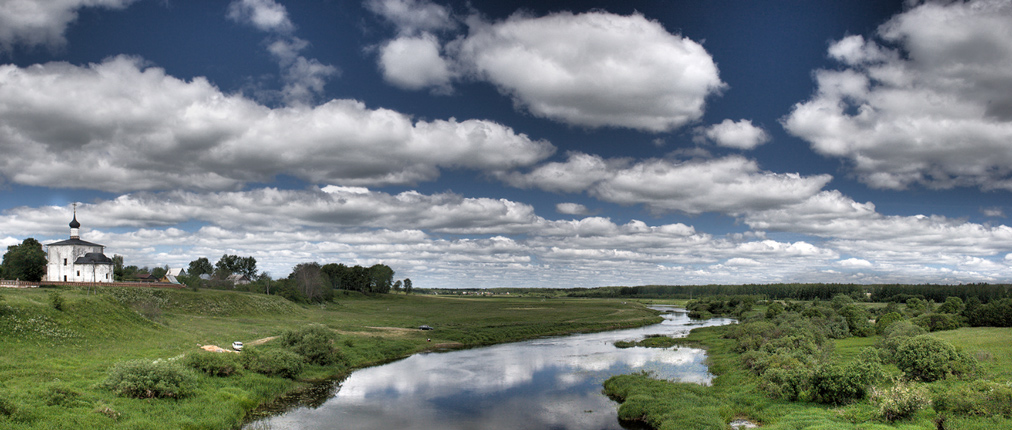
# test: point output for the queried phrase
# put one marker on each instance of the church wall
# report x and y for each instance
(61, 265)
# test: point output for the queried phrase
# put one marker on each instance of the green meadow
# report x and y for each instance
(979, 401)
(57, 345)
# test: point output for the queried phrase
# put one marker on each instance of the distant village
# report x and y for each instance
(76, 261)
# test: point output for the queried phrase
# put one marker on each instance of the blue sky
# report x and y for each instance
(532, 144)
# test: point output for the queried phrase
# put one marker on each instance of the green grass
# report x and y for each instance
(667, 405)
(65, 355)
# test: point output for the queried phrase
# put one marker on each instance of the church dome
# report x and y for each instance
(74, 223)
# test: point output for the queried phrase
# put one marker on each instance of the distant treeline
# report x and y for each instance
(899, 293)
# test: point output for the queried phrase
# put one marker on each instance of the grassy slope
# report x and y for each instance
(46, 352)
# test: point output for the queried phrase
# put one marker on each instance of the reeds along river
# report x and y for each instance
(552, 383)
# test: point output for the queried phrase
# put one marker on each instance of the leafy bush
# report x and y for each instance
(773, 309)
(150, 379)
(900, 401)
(314, 342)
(788, 383)
(952, 305)
(895, 334)
(926, 358)
(56, 300)
(272, 362)
(213, 363)
(981, 398)
(886, 320)
(938, 322)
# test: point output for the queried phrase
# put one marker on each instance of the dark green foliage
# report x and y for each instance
(234, 264)
(894, 336)
(150, 379)
(857, 320)
(313, 342)
(25, 261)
(773, 309)
(926, 358)
(56, 300)
(952, 305)
(995, 314)
(200, 266)
(937, 322)
(886, 320)
(735, 306)
(980, 398)
(272, 362)
(213, 363)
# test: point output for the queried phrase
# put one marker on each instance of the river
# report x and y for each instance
(552, 383)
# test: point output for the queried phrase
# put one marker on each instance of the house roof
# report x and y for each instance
(179, 271)
(93, 258)
(74, 242)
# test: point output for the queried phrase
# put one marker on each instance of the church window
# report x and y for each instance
(64, 278)
(78, 273)
(64, 261)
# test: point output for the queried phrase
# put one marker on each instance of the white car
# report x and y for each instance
(237, 346)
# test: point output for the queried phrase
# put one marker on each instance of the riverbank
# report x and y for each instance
(738, 394)
(55, 360)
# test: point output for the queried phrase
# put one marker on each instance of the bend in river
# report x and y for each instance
(552, 383)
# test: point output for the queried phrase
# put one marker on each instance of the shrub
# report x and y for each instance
(900, 401)
(773, 309)
(786, 383)
(313, 342)
(926, 358)
(834, 384)
(895, 334)
(981, 398)
(952, 305)
(886, 320)
(150, 379)
(272, 362)
(937, 322)
(213, 363)
(56, 300)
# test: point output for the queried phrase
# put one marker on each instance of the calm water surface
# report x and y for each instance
(552, 383)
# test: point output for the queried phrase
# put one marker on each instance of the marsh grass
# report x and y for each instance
(54, 361)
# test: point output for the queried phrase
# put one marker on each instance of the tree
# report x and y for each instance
(407, 286)
(380, 278)
(310, 282)
(199, 267)
(25, 261)
(231, 264)
(397, 285)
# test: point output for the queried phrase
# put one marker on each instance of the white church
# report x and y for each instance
(75, 260)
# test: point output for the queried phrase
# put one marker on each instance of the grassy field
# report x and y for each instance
(53, 361)
(735, 394)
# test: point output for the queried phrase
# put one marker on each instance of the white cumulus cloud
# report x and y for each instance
(935, 110)
(732, 185)
(33, 22)
(740, 135)
(112, 126)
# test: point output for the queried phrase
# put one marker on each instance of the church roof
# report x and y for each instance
(93, 258)
(74, 242)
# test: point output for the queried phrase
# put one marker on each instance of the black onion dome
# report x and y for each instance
(74, 223)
